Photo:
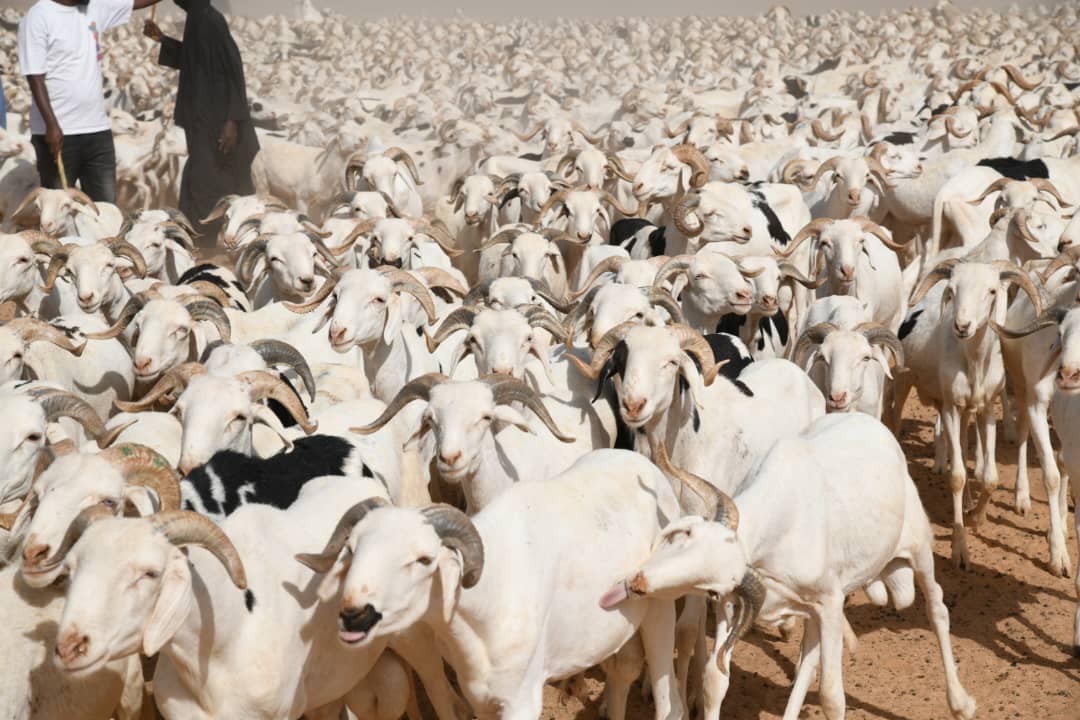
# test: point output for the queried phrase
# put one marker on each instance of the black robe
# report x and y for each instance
(211, 91)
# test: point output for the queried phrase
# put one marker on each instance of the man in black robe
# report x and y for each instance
(212, 107)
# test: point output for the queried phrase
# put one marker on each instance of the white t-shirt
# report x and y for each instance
(64, 44)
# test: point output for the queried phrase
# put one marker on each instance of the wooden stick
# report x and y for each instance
(60, 165)
(153, 12)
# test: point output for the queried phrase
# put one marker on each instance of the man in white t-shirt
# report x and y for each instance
(60, 55)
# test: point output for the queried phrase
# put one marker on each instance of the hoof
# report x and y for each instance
(1023, 505)
(964, 710)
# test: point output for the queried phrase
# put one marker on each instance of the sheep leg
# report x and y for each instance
(809, 657)
(961, 704)
(1059, 553)
(941, 462)
(1023, 485)
(716, 675)
(831, 683)
(1075, 483)
(987, 428)
(658, 635)
(622, 671)
(952, 425)
(418, 650)
(901, 389)
(686, 634)
(694, 700)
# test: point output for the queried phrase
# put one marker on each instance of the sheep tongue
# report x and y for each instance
(615, 595)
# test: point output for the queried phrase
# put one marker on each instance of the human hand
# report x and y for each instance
(152, 31)
(54, 138)
(227, 141)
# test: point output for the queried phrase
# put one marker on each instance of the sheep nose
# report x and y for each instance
(1064, 244)
(86, 297)
(838, 399)
(142, 365)
(962, 328)
(633, 407)
(35, 554)
(450, 459)
(744, 174)
(853, 197)
(769, 301)
(744, 296)
(72, 646)
(1070, 375)
(747, 231)
(638, 188)
(506, 370)
(337, 334)
(584, 235)
(307, 281)
(360, 620)
(848, 271)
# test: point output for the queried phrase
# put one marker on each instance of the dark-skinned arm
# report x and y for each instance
(54, 136)
(143, 4)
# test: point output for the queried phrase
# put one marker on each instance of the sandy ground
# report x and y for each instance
(1011, 625)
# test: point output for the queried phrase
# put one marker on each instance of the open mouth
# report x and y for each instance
(1069, 386)
(352, 638)
(83, 666)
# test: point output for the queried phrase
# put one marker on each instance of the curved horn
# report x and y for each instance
(1022, 82)
(1044, 185)
(210, 290)
(30, 199)
(718, 505)
(315, 300)
(1010, 273)
(690, 201)
(263, 385)
(205, 310)
(827, 166)
(144, 466)
(558, 197)
(697, 161)
(80, 197)
(614, 202)
(869, 226)
(438, 232)
(400, 155)
(33, 330)
(812, 229)
(527, 136)
(418, 389)
(675, 266)
(436, 277)
(131, 308)
(822, 134)
(750, 595)
(694, 344)
(617, 168)
(790, 273)
(539, 317)
(1066, 259)
(124, 249)
(460, 319)
(996, 186)
(1050, 317)
(580, 129)
(457, 532)
(182, 527)
(610, 264)
(175, 379)
(508, 390)
(86, 518)
(680, 130)
(943, 271)
(276, 352)
(60, 403)
(322, 562)
(56, 264)
(603, 350)
(401, 281)
(878, 334)
(663, 299)
(812, 336)
(219, 209)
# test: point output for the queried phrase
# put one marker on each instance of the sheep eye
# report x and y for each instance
(379, 300)
(21, 261)
(152, 574)
(109, 503)
(425, 559)
(33, 437)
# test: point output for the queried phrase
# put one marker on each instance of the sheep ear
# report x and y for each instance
(263, 415)
(450, 579)
(174, 602)
(393, 318)
(144, 500)
(509, 416)
(331, 581)
(693, 379)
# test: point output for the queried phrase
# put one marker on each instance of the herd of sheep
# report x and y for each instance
(541, 347)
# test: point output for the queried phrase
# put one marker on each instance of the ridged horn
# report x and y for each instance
(506, 390)
(323, 561)
(457, 532)
(276, 352)
(418, 389)
(182, 527)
